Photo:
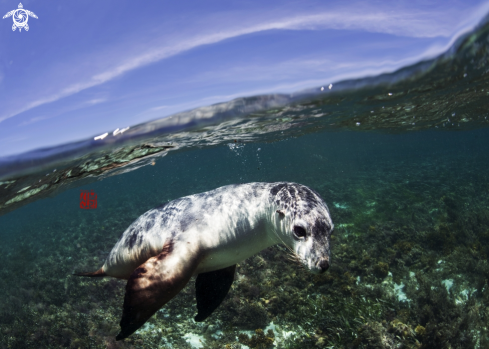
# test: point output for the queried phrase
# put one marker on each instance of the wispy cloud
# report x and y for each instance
(413, 24)
(33, 120)
(96, 101)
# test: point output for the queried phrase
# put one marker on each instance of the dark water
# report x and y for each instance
(401, 159)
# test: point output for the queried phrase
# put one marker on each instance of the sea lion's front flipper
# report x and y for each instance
(210, 290)
(151, 286)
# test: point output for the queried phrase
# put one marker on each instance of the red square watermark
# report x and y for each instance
(88, 199)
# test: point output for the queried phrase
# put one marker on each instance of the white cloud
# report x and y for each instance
(33, 120)
(96, 101)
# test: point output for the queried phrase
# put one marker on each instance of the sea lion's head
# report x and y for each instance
(303, 224)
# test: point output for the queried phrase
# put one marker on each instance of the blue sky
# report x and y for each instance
(89, 67)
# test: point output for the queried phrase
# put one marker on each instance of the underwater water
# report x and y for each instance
(401, 161)
(409, 250)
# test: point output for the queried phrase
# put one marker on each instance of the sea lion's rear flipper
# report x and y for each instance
(151, 286)
(210, 290)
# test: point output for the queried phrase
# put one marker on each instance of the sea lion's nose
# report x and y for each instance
(323, 264)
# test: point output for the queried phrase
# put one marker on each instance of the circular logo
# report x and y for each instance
(20, 17)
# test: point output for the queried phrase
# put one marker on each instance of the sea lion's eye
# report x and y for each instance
(299, 232)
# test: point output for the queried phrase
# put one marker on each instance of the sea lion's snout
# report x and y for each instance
(323, 265)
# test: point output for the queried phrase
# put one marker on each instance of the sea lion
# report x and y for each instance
(206, 235)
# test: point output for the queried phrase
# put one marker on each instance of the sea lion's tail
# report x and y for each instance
(98, 273)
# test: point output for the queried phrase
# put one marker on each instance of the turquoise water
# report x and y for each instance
(411, 215)
(402, 161)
